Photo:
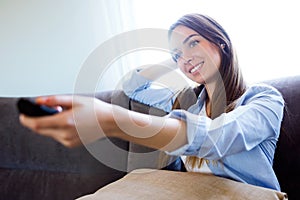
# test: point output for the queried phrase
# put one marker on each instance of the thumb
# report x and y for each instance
(58, 100)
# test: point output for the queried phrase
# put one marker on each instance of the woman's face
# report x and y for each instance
(196, 57)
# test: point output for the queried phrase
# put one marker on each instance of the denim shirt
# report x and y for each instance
(241, 142)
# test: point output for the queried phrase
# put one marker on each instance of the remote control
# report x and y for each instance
(27, 106)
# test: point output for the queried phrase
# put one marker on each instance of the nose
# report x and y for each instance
(186, 56)
(185, 60)
(184, 63)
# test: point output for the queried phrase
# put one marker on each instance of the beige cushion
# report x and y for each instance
(148, 184)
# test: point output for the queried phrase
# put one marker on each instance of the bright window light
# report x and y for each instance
(264, 33)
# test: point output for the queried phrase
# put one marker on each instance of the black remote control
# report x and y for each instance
(27, 106)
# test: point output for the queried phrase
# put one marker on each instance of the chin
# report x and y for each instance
(199, 80)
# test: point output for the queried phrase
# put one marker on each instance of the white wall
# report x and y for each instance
(44, 43)
(265, 33)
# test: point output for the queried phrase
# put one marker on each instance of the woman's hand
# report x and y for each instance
(84, 120)
(76, 124)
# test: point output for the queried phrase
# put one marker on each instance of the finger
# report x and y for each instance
(57, 121)
(66, 138)
(62, 134)
(58, 100)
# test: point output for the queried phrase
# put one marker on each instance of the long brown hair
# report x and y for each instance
(230, 84)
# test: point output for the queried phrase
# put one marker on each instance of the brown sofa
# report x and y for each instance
(36, 167)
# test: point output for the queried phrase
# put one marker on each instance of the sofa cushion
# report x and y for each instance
(145, 184)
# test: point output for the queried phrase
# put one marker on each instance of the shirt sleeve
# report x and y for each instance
(143, 90)
(135, 82)
(256, 118)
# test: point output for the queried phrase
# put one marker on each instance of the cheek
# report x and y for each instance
(214, 58)
(180, 65)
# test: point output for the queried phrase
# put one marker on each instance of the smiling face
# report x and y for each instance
(196, 57)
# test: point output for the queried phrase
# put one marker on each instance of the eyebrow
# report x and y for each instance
(189, 37)
(186, 40)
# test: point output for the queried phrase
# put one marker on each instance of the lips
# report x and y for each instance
(197, 67)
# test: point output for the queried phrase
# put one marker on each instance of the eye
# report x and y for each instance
(193, 43)
(176, 56)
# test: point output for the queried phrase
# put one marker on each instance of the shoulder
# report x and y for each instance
(261, 92)
(262, 89)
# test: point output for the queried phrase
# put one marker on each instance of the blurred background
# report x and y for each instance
(44, 44)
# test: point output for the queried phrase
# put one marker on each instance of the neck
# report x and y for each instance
(210, 88)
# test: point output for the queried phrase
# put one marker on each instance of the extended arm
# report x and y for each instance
(79, 123)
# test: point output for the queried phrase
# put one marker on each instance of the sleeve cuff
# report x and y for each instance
(196, 132)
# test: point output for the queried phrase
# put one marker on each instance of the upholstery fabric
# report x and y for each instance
(36, 167)
(145, 184)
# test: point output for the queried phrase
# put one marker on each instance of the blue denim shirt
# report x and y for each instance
(241, 142)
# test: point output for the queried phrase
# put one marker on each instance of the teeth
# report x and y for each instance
(196, 68)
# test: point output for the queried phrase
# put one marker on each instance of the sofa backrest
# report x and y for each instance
(286, 161)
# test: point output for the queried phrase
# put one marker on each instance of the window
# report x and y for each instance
(264, 33)
(44, 52)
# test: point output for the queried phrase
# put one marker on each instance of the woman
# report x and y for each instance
(232, 127)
